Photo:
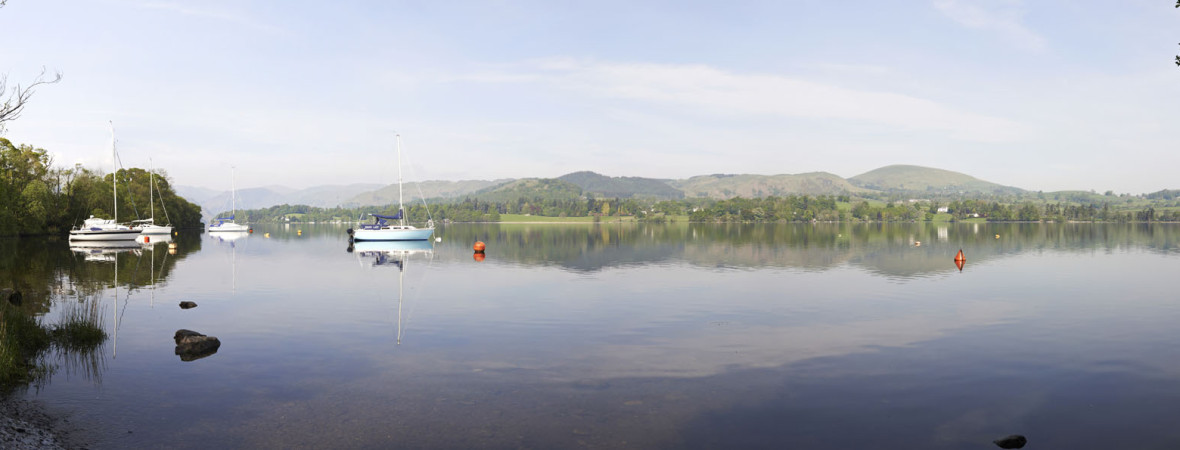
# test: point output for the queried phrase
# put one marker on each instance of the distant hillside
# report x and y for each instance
(530, 188)
(430, 189)
(728, 186)
(327, 196)
(622, 187)
(926, 179)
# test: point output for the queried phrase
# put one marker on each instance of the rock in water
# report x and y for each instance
(1013, 441)
(182, 333)
(187, 305)
(191, 345)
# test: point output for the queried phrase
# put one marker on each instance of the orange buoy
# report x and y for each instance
(478, 256)
(147, 239)
(478, 247)
(960, 257)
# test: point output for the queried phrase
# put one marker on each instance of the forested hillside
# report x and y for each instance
(622, 187)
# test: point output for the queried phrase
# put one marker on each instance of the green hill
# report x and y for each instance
(622, 187)
(926, 180)
(430, 189)
(749, 186)
(530, 188)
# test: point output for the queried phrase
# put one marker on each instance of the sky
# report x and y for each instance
(1043, 95)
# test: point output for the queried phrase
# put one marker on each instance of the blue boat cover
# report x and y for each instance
(223, 219)
(379, 217)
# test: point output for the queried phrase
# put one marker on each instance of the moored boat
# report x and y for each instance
(382, 230)
(96, 229)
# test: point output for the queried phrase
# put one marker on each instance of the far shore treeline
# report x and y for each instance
(37, 198)
(791, 208)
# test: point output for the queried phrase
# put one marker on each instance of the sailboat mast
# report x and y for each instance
(400, 207)
(114, 172)
(152, 182)
(233, 195)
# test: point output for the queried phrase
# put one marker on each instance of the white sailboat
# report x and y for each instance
(381, 230)
(148, 226)
(95, 229)
(227, 224)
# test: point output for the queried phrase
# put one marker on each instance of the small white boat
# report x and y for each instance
(148, 226)
(382, 230)
(227, 224)
(95, 229)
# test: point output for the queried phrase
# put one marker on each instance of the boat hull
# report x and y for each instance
(155, 229)
(228, 227)
(416, 234)
(103, 235)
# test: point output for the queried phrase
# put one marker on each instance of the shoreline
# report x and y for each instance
(28, 424)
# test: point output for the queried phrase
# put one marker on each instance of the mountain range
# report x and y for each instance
(913, 180)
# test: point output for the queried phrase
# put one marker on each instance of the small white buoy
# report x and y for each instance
(437, 239)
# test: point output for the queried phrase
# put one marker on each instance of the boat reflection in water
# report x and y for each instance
(229, 236)
(374, 254)
(104, 251)
(389, 252)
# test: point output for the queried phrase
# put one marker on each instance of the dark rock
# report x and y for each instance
(1013, 441)
(187, 305)
(191, 345)
(11, 295)
(181, 334)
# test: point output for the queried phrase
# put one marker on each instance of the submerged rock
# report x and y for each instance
(191, 345)
(11, 296)
(1013, 441)
(187, 305)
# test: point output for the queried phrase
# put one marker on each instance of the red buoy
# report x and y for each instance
(479, 246)
(960, 257)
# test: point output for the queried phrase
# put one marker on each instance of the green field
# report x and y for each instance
(510, 218)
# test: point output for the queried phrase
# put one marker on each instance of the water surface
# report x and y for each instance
(785, 336)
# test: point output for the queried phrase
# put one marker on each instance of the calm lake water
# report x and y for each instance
(628, 336)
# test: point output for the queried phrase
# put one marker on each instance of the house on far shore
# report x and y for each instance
(943, 209)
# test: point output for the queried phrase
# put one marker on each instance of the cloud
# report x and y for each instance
(1001, 16)
(708, 91)
(188, 9)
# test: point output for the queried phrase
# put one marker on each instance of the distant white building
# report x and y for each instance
(943, 209)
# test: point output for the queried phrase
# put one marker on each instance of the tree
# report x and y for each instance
(15, 101)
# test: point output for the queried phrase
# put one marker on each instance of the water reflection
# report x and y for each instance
(885, 249)
(650, 336)
(392, 254)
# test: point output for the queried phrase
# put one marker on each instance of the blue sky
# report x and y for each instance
(1044, 95)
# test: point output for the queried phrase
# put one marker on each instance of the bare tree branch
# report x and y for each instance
(16, 101)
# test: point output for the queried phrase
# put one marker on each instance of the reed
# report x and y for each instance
(22, 343)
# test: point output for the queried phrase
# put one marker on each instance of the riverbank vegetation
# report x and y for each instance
(25, 341)
(1162, 206)
(38, 198)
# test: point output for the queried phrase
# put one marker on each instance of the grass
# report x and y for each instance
(510, 218)
(24, 341)
(942, 217)
(80, 328)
